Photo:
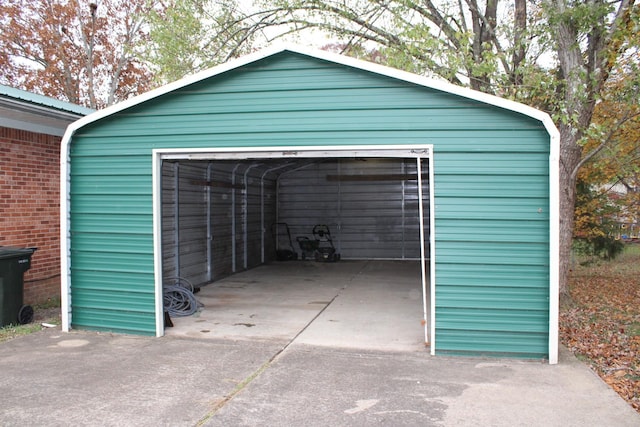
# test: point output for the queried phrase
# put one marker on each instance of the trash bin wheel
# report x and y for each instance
(25, 315)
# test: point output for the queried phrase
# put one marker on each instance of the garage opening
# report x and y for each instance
(326, 246)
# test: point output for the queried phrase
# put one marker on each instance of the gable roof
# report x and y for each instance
(337, 59)
(343, 61)
(32, 112)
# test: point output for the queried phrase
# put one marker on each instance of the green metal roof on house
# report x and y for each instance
(45, 101)
(32, 112)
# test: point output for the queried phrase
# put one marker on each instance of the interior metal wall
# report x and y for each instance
(214, 217)
(184, 213)
(218, 216)
(370, 205)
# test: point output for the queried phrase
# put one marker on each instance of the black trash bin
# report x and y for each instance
(13, 263)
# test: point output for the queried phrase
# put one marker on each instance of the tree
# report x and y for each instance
(556, 55)
(611, 173)
(190, 35)
(81, 52)
(589, 38)
(596, 229)
(464, 46)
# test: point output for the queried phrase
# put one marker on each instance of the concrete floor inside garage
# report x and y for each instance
(350, 304)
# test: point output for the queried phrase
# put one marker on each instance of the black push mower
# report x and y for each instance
(282, 237)
(308, 247)
(323, 249)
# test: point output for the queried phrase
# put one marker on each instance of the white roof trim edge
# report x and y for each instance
(506, 104)
(328, 56)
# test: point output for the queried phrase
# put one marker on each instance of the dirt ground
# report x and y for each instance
(602, 324)
(46, 314)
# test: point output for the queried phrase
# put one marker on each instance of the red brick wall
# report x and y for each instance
(30, 206)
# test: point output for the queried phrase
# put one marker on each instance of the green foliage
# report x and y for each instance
(591, 250)
(582, 15)
(595, 225)
(175, 31)
(594, 212)
(192, 35)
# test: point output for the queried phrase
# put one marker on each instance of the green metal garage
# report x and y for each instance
(187, 180)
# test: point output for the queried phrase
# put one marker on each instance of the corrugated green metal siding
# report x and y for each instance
(491, 190)
(492, 240)
(112, 242)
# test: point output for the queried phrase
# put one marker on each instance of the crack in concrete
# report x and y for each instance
(244, 383)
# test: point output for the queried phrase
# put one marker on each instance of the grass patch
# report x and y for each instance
(13, 331)
(47, 312)
(50, 303)
(582, 357)
(633, 329)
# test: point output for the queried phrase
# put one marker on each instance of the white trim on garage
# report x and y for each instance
(554, 244)
(545, 119)
(432, 259)
(418, 152)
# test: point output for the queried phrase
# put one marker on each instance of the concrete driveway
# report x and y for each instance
(96, 379)
(322, 345)
(351, 304)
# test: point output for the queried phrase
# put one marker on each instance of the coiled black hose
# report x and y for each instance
(178, 298)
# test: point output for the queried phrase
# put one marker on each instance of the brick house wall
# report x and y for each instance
(30, 206)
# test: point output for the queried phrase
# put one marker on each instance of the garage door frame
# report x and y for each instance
(418, 152)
